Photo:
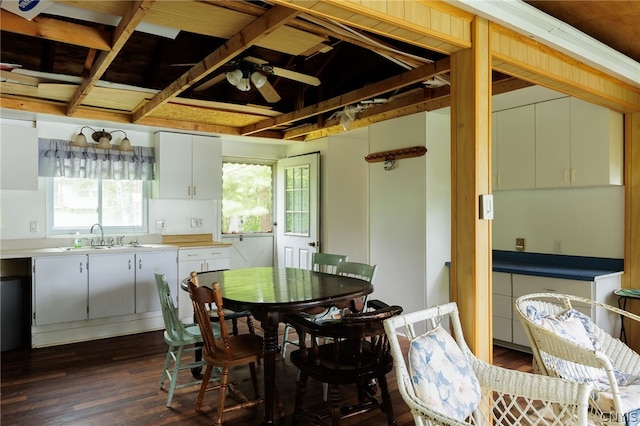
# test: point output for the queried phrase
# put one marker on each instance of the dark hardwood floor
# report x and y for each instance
(115, 381)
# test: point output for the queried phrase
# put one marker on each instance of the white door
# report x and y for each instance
(297, 227)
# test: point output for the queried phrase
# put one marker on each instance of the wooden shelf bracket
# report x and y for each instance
(390, 157)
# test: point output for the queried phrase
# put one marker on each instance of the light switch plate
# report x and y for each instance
(486, 206)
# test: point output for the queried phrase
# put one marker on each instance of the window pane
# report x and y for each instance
(297, 200)
(122, 203)
(246, 198)
(75, 202)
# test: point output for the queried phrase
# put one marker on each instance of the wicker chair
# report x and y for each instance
(503, 397)
(567, 344)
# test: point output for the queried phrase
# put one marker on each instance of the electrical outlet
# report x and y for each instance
(196, 222)
(161, 225)
(519, 244)
(557, 246)
(33, 226)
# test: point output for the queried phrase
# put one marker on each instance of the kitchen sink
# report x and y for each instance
(99, 247)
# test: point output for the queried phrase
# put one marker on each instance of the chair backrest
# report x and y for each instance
(362, 271)
(361, 335)
(506, 397)
(174, 327)
(202, 296)
(568, 344)
(326, 262)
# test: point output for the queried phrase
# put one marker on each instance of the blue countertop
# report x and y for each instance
(579, 268)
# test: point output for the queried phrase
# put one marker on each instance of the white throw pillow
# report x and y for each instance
(441, 375)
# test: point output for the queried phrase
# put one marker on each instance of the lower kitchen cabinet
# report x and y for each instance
(200, 259)
(166, 262)
(59, 289)
(112, 279)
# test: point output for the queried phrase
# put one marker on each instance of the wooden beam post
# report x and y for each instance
(471, 177)
(631, 277)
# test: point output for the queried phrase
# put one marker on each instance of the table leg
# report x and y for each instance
(622, 304)
(270, 326)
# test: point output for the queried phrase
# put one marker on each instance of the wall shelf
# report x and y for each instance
(396, 154)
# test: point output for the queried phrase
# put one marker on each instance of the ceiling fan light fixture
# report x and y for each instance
(234, 77)
(243, 84)
(258, 79)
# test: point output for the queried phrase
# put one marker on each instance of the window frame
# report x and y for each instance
(256, 162)
(132, 230)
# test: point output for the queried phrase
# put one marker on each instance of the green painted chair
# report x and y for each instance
(180, 337)
(320, 262)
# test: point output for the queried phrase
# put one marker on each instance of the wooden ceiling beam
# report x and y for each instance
(56, 30)
(252, 33)
(122, 33)
(375, 89)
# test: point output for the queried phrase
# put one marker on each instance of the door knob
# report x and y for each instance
(312, 244)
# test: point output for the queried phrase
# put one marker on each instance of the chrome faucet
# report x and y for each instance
(101, 232)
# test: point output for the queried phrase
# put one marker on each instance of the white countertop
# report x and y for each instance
(65, 251)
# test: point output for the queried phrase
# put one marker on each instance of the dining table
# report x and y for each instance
(272, 293)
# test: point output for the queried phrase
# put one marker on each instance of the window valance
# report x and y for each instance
(57, 158)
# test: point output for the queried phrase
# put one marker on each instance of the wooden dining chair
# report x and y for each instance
(224, 351)
(320, 262)
(359, 354)
(180, 337)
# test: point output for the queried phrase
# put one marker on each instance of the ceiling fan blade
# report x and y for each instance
(284, 73)
(294, 75)
(215, 80)
(269, 93)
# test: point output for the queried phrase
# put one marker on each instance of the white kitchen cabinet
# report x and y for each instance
(18, 157)
(112, 279)
(502, 312)
(199, 259)
(553, 143)
(577, 144)
(596, 145)
(188, 166)
(515, 144)
(59, 289)
(146, 293)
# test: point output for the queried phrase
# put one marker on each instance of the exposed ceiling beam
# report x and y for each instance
(375, 89)
(256, 30)
(124, 30)
(56, 30)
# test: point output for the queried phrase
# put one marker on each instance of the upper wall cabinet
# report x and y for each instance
(18, 157)
(514, 143)
(578, 144)
(188, 166)
(555, 144)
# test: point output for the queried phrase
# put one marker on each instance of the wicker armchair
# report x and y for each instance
(567, 344)
(502, 396)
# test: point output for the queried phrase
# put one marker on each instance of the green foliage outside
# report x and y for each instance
(246, 198)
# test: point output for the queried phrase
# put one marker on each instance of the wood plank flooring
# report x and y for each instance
(115, 381)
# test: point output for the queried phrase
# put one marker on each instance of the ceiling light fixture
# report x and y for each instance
(243, 77)
(103, 138)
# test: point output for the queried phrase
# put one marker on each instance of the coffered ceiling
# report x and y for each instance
(165, 63)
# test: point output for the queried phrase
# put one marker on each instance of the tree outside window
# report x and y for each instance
(247, 198)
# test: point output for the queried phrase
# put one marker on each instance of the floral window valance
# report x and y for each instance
(57, 158)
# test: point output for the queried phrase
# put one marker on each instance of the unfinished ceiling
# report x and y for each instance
(79, 56)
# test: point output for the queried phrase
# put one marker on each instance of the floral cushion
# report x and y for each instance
(578, 328)
(441, 375)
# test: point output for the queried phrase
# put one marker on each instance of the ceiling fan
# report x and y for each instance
(250, 70)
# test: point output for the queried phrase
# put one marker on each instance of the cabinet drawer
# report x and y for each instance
(527, 284)
(203, 253)
(501, 283)
(502, 306)
(502, 329)
(519, 335)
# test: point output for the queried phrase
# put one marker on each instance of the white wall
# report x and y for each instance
(588, 221)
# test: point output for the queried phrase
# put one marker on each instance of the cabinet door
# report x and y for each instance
(173, 167)
(60, 289)
(111, 285)
(147, 299)
(18, 157)
(515, 136)
(185, 267)
(553, 143)
(596, 145)
(207, 168)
